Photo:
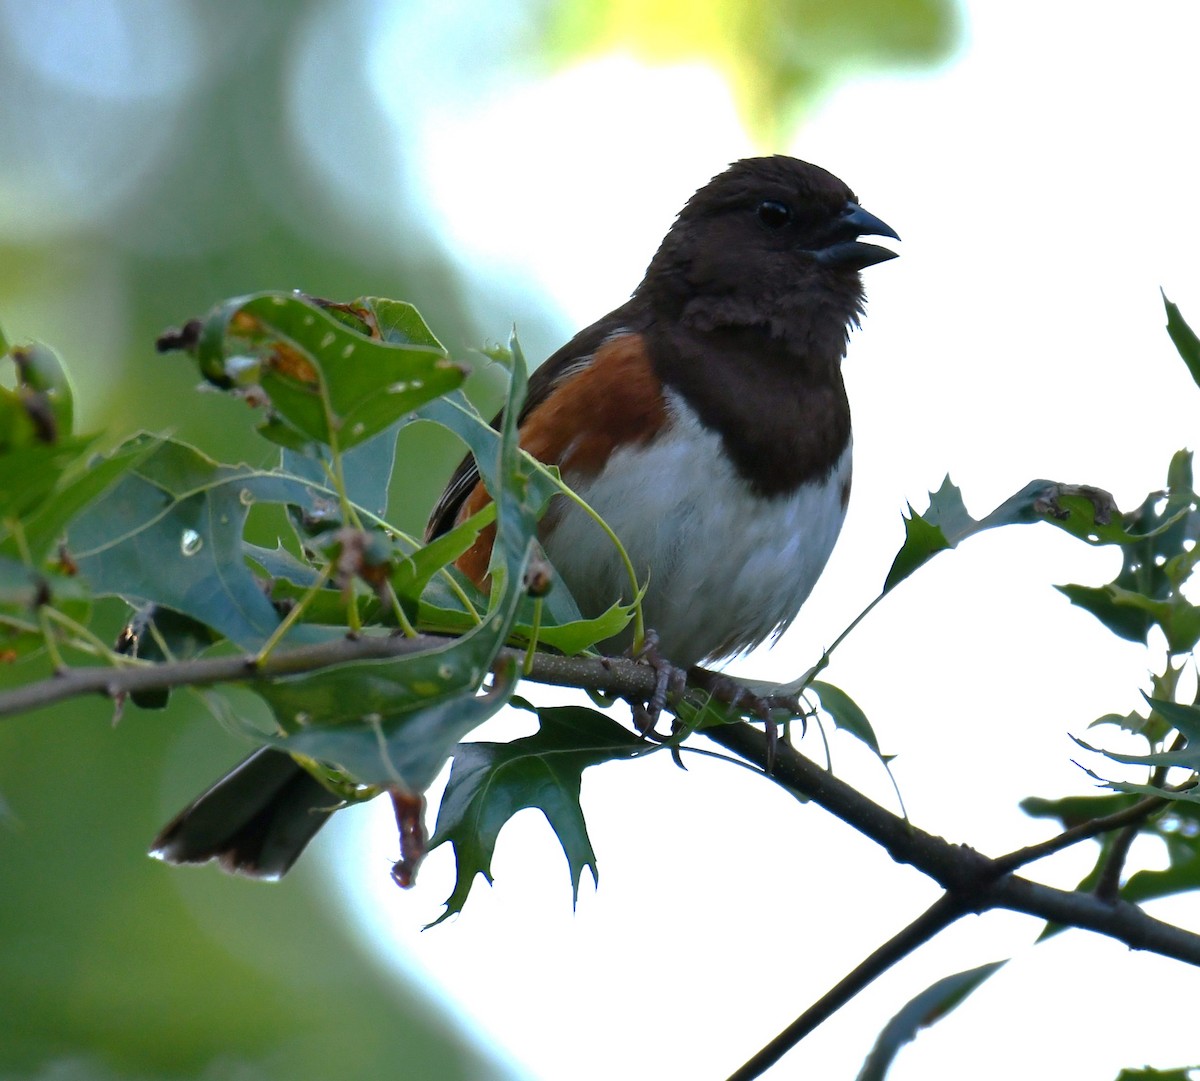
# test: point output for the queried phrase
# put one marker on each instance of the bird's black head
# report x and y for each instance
(763, 239)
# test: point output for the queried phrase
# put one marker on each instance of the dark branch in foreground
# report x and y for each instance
(973, 882)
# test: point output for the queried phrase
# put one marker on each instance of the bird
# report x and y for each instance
(705, 420)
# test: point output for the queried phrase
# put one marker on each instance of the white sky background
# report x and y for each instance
(1045, 185)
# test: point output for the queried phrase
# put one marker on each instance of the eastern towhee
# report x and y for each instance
(705, 420)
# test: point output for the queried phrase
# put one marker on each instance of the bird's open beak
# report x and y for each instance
(845, 251)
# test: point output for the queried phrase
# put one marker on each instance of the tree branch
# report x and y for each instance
(936, 918)
(977, 881)
(1130, 817)
(615, 676)
(973, 883)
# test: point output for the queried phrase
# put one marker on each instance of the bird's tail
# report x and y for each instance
(256, 820)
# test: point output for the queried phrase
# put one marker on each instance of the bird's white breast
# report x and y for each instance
(727, 567)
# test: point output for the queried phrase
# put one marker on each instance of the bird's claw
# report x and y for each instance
(730, 692)
(669, 682)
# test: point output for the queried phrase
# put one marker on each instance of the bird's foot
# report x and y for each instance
(669, 681)
(736, 695)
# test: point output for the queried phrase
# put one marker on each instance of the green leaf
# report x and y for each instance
(1177, 828)
(48, 525)
(930, 1006)
(331, 383)
(398, 322)
(366, 470)
(575, 635)
(1072, 811)
(1125, 621)
(30, 473)
(393, 722)
(170, 532)
(455, 412)
(1176, 615)
(396, 722)
(1083, 511)
(23, 590)
(1184, 338)
(41, 377)
(490, 782)
(1148, 1073)
(1158, 557)
(440, 612)
(413, 573)
(845, 712)
(1186, 720)
(279, 563)
(922, 541)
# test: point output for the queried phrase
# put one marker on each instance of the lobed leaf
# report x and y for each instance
(1083, 511)
(396, 722)
(390, 723)
(490, 782)
(1158, 556)
(169, 532)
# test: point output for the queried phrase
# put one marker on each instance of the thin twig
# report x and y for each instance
(1085, 831)
(1108, 884)
(933, 920)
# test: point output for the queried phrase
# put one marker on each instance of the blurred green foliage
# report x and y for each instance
(779, 56)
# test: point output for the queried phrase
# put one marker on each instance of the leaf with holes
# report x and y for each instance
(330, 382)
(1084, 512)
(1157, 559)
(396, 722)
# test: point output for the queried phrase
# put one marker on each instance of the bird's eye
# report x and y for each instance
(774, 214)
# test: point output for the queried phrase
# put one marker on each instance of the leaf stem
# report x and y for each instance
(639, 621)
(402, 619)
(44, 622)
(293, 617)
(531, 649)
(87, 641)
